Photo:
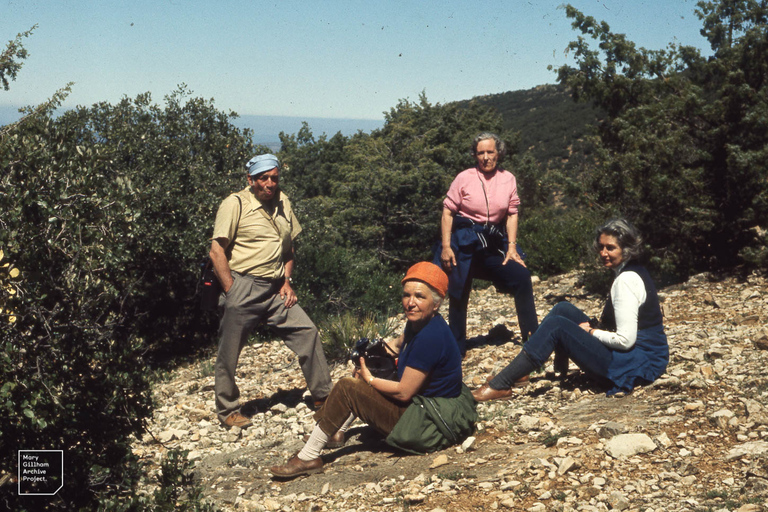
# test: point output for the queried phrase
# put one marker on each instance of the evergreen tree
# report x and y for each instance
(683, 149)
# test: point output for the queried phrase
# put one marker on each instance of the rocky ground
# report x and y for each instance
(696, 440)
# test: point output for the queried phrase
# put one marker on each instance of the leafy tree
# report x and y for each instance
(685, 137)
(12, 58)
(310, 166)
(105, 211)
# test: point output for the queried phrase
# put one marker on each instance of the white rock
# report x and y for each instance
(627, 445)
(469, 444)
(512, 484)
(279, 408)
(618, 501)
(166, 436)
(566, 465)
(664, 440)
(750, 448)
(528, 423)
(688, 481)
(749, 507)
(270, 504)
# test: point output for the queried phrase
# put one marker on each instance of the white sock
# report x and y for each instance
(314, 445)
(347, 423)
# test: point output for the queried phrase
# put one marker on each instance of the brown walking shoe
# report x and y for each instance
(522, 382)
(486, 392)
(297, 467)
(236, 420)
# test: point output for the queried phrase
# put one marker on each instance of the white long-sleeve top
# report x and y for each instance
(627, 295)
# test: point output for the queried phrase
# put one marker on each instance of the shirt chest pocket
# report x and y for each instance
(284, 232)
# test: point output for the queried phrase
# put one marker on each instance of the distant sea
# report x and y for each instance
(266, 129)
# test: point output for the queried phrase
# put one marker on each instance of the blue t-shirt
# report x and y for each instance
(433, 350)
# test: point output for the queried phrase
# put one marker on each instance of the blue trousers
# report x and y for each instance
(511, 278)
(559, 332)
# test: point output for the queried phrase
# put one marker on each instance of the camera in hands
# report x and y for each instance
(378, 357)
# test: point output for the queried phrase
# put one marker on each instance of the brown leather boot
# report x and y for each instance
(236, 420)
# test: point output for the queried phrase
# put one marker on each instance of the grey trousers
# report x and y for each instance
(251, 301)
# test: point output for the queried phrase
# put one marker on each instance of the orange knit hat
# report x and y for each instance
(430, 274)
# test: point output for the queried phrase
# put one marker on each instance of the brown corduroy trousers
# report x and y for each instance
(351, 395)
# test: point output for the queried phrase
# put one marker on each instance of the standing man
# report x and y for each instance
(252, 255)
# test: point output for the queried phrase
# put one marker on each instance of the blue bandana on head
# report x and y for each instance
(262, 163)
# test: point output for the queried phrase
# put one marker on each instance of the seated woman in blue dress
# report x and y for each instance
(427, 408)
(629, 346)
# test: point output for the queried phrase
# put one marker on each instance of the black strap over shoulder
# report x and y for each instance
(239, 216)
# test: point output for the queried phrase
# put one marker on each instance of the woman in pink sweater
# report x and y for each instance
(479, 237)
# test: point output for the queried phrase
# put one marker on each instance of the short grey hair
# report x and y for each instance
(501, 146)
(435, 297)
(626, 235)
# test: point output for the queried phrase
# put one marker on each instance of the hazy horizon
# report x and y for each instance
(266, 129)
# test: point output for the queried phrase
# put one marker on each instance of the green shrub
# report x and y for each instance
(597, 280)
(177, 491)
(557, 242)
(331, 279)
(8, 290)
(340, 332)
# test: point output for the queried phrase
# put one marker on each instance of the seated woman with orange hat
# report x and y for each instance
(427, 408)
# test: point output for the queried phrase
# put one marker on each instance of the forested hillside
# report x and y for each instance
(106, 211)
(553, 127)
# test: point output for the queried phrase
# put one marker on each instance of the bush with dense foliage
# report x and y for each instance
(105, 211)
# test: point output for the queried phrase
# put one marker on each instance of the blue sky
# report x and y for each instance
(332, 59)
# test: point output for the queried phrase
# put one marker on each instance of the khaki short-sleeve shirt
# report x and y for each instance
(262, 242)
